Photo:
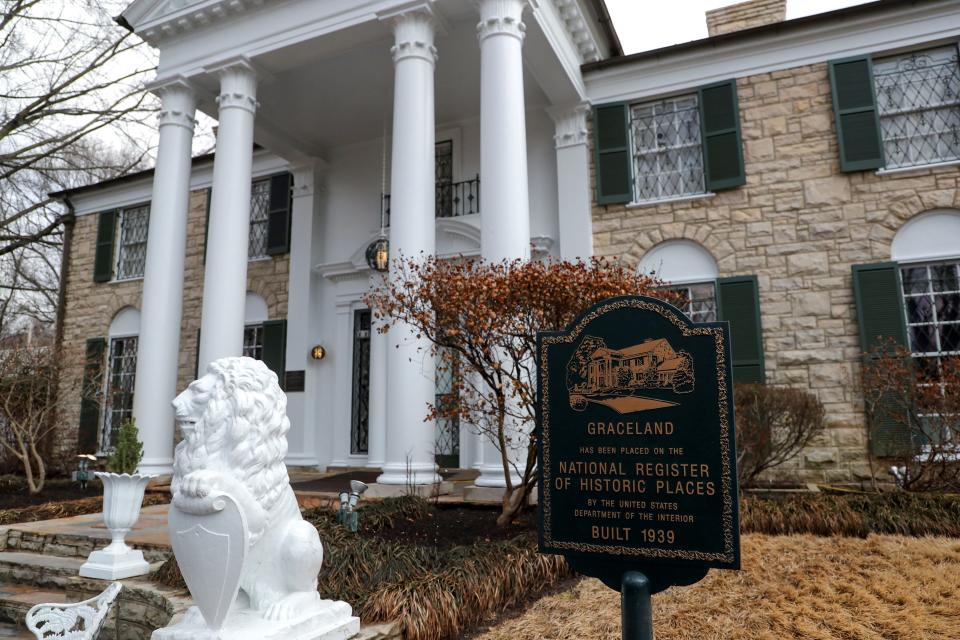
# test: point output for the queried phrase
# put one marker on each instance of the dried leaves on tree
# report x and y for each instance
(481, 320)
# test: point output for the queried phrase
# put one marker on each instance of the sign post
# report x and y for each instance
(637, 458)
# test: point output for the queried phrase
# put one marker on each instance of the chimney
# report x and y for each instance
(746, 15)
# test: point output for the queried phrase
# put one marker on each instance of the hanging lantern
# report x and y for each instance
(378, 254)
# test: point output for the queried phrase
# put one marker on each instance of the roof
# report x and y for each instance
(638, 349)
(606, 23)
(745, 34)
(127, 177)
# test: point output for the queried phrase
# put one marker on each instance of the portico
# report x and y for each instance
(484, 102)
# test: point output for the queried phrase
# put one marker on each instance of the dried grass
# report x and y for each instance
(791, 587)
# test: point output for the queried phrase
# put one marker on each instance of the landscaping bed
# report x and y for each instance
(852, 514)
(438, 570)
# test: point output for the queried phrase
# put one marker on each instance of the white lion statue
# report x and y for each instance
(234, 426)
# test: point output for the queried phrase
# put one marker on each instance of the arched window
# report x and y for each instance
(690, 269)
(121, 374)
(927, 250)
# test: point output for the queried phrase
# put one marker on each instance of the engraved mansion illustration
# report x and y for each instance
(612, 377)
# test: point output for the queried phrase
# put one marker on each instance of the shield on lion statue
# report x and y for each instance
(209, 539)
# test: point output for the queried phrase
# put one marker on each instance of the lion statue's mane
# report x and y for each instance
(242, 430)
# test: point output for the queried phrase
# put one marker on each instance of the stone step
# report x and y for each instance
(16, 600)
(24, 567)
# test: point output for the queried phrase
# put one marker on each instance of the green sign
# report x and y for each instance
(637, 452)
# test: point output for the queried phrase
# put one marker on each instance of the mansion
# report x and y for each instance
(799, 179)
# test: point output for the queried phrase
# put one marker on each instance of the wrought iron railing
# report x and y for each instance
(453, 199)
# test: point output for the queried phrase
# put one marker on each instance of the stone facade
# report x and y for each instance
(745, 15)
(798, 224)
(90, 306)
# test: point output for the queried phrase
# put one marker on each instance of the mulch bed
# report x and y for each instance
(449, 526)
(341, 481)
(60, 498)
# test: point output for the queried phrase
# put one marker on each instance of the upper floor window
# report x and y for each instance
(918, 104)
(259, 219)
(667, 148)
(132, 242)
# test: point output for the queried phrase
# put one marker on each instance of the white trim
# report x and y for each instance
(652, 203)
(919, 167)
(899, 27)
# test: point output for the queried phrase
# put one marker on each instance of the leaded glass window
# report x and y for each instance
(931, 294)
(918, 101)
(360, 402)
(698, 301)
(253, 341)
(667, 154)
(120, 384)
(259, 216)
(132, 242)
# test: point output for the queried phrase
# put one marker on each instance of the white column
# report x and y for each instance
(573, 182)
(300, 439)
(225, 275)
(505, 218)
(158, 348)
(410, 367)
(377, 416)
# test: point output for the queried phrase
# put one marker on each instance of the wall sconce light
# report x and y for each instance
(318, 352)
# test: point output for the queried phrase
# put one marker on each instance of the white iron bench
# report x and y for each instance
(73, 621)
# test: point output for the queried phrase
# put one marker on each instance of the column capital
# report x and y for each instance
(238, 84)
(501, 17)
(571, 124)
(304, 180)
(413, 32)
(178, 102)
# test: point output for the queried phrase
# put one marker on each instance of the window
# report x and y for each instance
(667, 149)
(918, 104)
(132, 242)
(253, 341)
(931, 296)
(259, 218)
(122, 370)
(698, 301)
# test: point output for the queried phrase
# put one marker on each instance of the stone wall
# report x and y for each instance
(90, 307)
(798, 224)
(745, 15)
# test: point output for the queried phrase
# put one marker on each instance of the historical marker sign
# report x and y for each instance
(637, 453)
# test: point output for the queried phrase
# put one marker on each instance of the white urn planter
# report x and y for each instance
(122, 498)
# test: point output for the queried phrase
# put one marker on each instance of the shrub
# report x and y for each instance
(773, 425)
(128, 452)
(913, 407)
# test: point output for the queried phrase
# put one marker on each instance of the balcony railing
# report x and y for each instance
(453, 199)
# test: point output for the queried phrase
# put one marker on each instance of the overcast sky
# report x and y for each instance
(651, 24)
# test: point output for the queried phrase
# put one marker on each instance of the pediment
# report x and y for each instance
(155, 19)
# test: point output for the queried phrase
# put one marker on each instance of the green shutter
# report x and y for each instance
(103, 260)
(720, 134)
(855, 114)
(275, 347)
(612, 154)
(206, 225)
(278, 216)
(738, 300)
(90, 390)
(879, 298)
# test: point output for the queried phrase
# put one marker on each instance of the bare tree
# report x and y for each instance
(29, 377)
(72, 111)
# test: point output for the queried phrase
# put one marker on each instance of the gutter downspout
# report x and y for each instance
(69, 219)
